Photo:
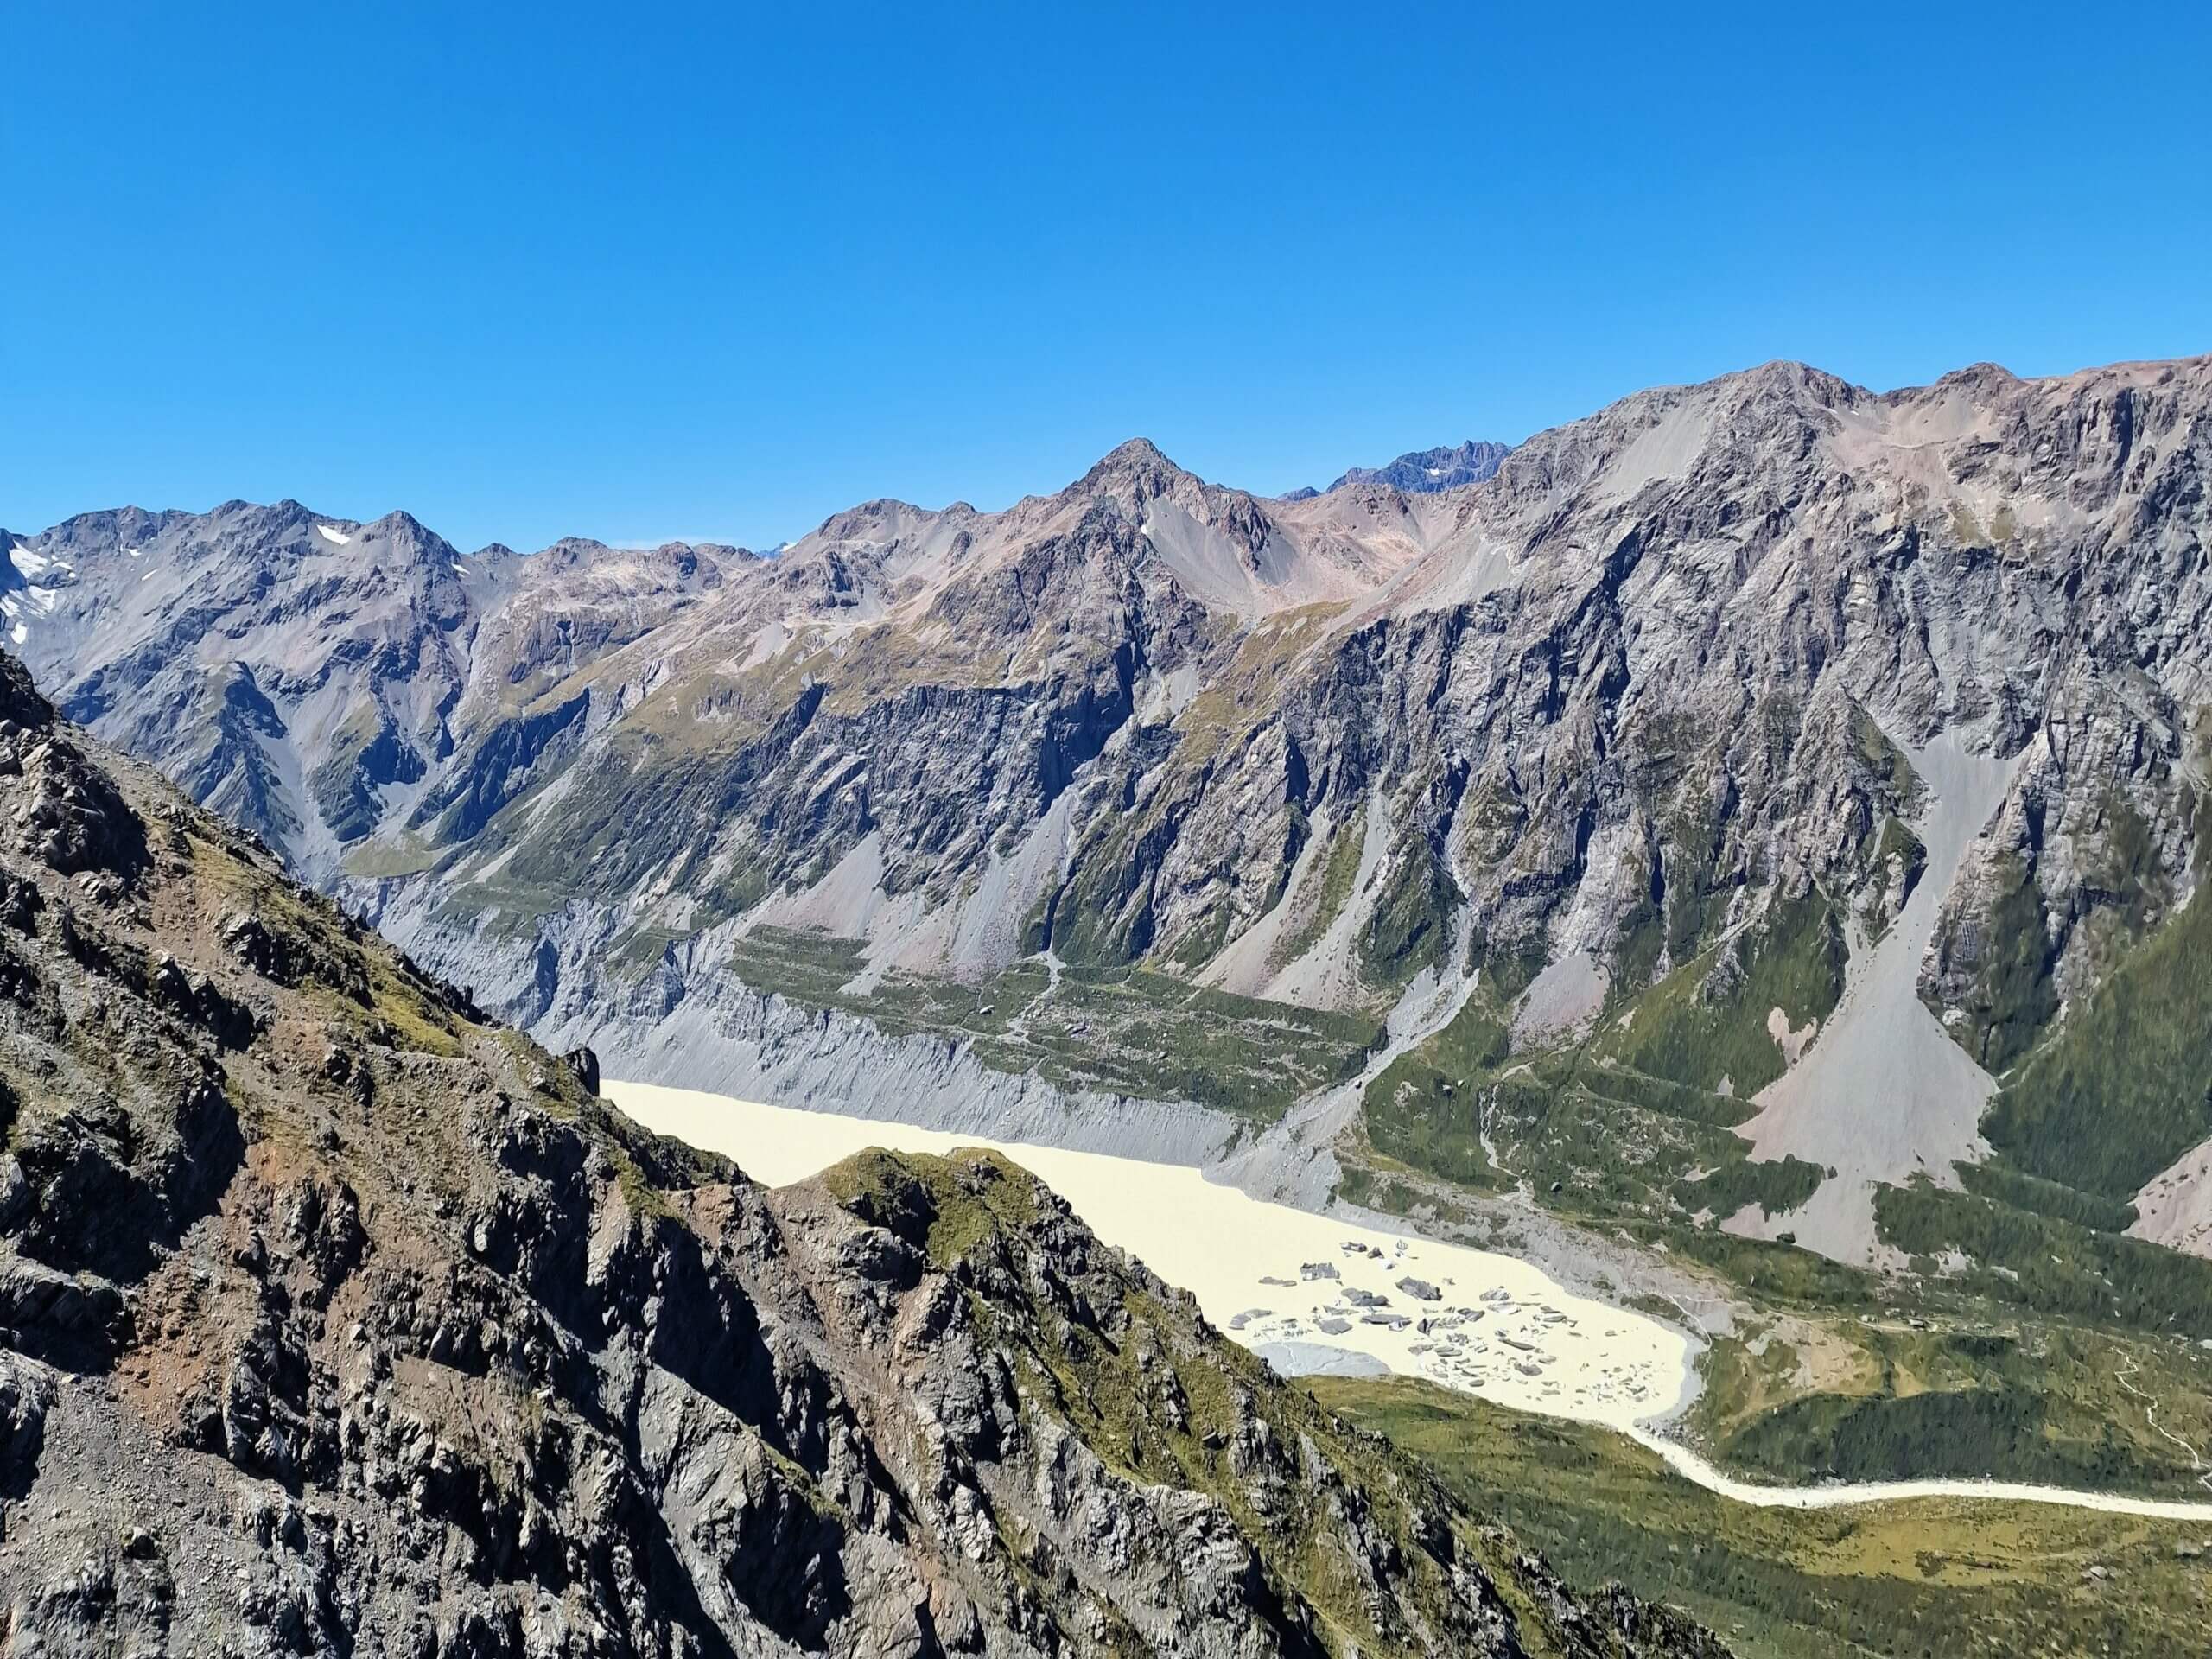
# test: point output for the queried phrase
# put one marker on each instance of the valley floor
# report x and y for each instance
(1963, 1577)
(1318, 1295)
(1311, 1293)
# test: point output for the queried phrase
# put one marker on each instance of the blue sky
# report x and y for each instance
(710, 272)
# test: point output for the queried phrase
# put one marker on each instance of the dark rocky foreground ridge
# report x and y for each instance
(337, 1319)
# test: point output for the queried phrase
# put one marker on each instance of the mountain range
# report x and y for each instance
(1805, 784)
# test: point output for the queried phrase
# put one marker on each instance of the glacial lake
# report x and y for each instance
(1312, 1293)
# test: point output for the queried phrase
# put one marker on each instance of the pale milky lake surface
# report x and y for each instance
(1496, 1327)
(1312, 1293)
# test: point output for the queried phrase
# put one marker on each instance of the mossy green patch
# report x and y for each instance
(1425, 1107)
(2051, 1264)
(1963, 1390)
(1410, 927)
(1334, 892)
(2123, 1087)
(1888, 763)
(1707, 1023)
(1116, 1030)
(2013, 998)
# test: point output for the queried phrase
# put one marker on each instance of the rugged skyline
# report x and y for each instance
(1690, 706)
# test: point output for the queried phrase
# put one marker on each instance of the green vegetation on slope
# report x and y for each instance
(2124, 1086)
(1630, 1124)
(1706, 1026)
(2041, 1198)
(1961, 1578)
(1121, 1030)
(1888, 763)
(1419, 1108)
(1345, 841)
(1954, 1392)
(2013, 999)
(2052, 1265)
(1409, 928)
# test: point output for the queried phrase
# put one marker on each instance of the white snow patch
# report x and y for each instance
(19, 633)
(28, 560)
(332, 534)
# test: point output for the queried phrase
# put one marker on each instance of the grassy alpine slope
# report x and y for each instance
(1959, 1577)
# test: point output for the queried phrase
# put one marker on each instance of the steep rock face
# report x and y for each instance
(1596, 722)
(334, 1319)
(1424, 472)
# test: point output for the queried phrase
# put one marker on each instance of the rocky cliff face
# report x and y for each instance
(336, 1318)
(1668, 697)
(1425, 471)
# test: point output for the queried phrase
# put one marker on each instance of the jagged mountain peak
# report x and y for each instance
(878, 520)
(1237, 674)
(1790, 376)
(1135, 452)
(1425, 471)
(401, 526)
(1980, 377)
(1136, 465)
(574, 549)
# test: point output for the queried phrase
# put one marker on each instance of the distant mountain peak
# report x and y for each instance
(1140, 463)
(1425, 471)
(1136, 452)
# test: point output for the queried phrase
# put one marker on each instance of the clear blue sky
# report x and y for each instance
(664, 271)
